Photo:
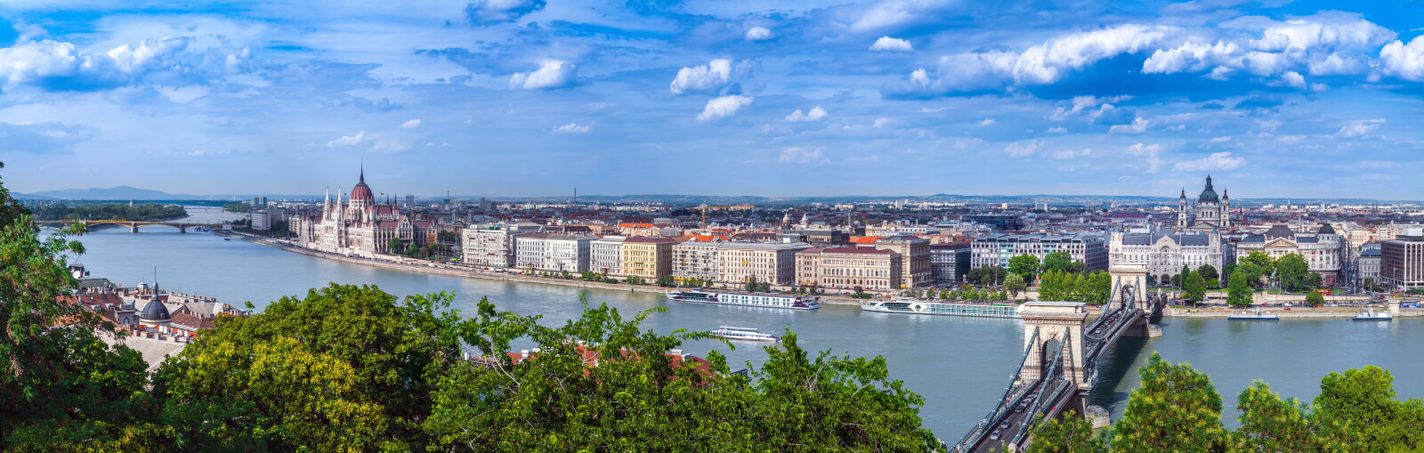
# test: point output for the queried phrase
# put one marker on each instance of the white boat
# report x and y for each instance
(743, 334)
(1370, 315)
(1253, 316)
(920, 307)
(746, 300)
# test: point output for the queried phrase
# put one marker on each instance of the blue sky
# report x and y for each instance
(786, 98)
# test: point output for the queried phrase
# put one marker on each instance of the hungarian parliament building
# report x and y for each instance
(360, 226)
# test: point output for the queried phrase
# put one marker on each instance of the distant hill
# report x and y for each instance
(28, 196)
(111, 193)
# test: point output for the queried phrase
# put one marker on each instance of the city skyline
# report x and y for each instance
(877, 98)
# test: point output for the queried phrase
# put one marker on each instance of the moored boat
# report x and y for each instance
(742, 334)
(787, 302)
(920, 307)
(1257, 315)
(1371, 315)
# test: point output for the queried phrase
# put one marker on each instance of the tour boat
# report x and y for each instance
(1253, 316)
(920, 307)
(742, 334)
(1370, 315)
(746, 300)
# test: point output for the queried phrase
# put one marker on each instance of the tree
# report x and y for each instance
(1294, 273)
(666, 280)
(752, 285)
(1025, 266)
(395, 246)
(1175, 408)
(1257, 265)
(1314, 299)
(986, 275)
(412, 249)
(1193, 287)
(1357, 409)
(1014, 284)
(1182, 277)
(1238, 293)
(1060, 261)
(1208, 273)
(1070, 433)
(1269, 424)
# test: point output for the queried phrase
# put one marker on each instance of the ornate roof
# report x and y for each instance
(1208, 195)
(1325, 228)
(1280, 231)
(154, 311)
(362, 191)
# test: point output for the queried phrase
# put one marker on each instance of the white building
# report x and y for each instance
(1323, 250)
(552, 252)
(606, 255)
(696, 260)
(489, 245)
(1165, 253)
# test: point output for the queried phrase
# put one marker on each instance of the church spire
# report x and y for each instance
(1208, 182)
(363, 173)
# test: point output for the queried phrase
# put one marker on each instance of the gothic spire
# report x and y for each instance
(363, 173)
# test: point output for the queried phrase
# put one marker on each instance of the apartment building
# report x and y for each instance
(647, 257)
(914, 259)
(847, 268)
(740, 262)
(489, 245)
(696, 260)
(552, 252)
(997, 249)
(605, 255)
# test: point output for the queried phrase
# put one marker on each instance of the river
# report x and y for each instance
(960, 365)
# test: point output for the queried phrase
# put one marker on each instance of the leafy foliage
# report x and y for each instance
(1093, 287)
(1193, 287)
(1238, 292)
(1295, 275)
(106, 211)
(1174, 409)
(1025, 266)
(1070, 433)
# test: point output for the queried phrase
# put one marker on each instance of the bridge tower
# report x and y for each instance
(1059, 327)
(133, 227)
(1133, 276)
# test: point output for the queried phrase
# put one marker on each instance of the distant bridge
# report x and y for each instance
(133, 225)
(1059, 364)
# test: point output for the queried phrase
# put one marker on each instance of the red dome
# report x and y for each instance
(362, 192)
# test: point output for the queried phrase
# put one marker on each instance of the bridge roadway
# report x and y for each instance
(132, 224)
(1008, 425)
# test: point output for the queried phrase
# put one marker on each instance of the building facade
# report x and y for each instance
(362, 227)
(914, 259)
(1323, 250)
(1164, 253)
(848, 268)
(647, 257)
(490, 246)
(696, 260)
(997, 249)
(740, 262)
(552, 252)
(1402, 262)
(1369, 265)
(606, 255)
(1209, 212)
(949, 263)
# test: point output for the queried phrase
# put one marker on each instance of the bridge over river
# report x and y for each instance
(133, 225)
(1059, 366)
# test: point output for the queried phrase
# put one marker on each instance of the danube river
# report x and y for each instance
(960, 365)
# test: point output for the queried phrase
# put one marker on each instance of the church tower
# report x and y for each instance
(1182, 210)
(1225, 209)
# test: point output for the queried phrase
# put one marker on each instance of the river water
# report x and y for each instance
(960, 365)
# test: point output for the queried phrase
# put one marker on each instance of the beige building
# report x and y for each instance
(696, 260)
(914, 258)
(846, 268)
(647, 257)
(740, 262)
(1324, 251)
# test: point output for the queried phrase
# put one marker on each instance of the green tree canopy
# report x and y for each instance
(1061, 262)
(1014, 284)
(1208, 273)
(1175, 408)
(1314, 299)
(1025, 266)
(1269, 424)
(1070, 433)
(1294, 273)
(1193, 287)
(1238, 292)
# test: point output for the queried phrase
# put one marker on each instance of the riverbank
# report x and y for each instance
(1285, 313)
(427, 267)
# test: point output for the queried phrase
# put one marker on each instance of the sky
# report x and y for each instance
(732, 97)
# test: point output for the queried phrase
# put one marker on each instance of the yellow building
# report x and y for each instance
(647, 257)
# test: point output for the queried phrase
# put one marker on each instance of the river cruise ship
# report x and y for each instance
(920, 307)
(787, 302)
(742, 334)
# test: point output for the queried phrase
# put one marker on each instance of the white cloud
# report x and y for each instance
(1293, 79)
(986, 122)
(357, 139)
(723, 107)
(759, 33)
(411, 124)
(36, 61)
(802, 155)
(881, 122)
(1216, 161)
(886, 43)
(711, 76)
(1068, 154)
(183, 95)
(1327, 43)
(1149, 155)
(495, 11)
(816, 114)
(1023, 148)
(1404, 61)
(1057, 130)
(1220, 140)
(1138, 126)
(551, 74)
(574, 128)
(1359, 128)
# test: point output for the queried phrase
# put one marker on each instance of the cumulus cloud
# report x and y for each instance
(1023, 148)
(815, 114)
(485, 12)
(1057, 130)
(711, 76)
(986, 122)
(1359, 128)
(1293, 79)
(61, 65)
(723, 107)
(1149, 155)
(1222, 161)
(759, 33)
(1405, 61)
(1327, 43)
(802, 155)
(411, 124)
(357, 139)
(1138, 126)
(551, 74)
(886, 43)
(574, 128)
